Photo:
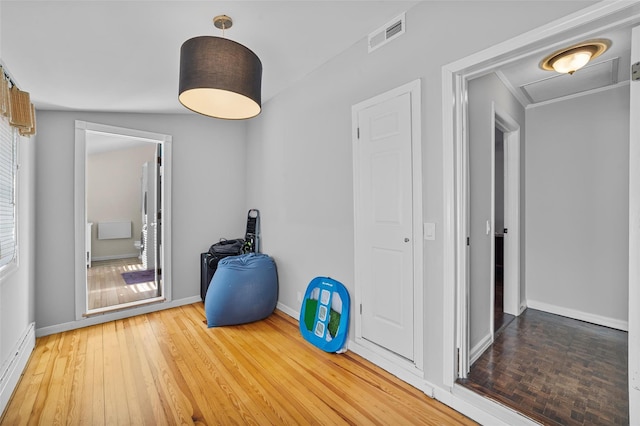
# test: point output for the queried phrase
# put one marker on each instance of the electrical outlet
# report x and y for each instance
(299, 297)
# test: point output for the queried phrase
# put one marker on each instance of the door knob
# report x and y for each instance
(406, 240)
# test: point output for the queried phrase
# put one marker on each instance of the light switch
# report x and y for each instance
(429, 231)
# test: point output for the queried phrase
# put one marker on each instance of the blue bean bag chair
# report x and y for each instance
(243, 289)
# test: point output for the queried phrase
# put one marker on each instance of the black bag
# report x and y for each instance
(225, 248)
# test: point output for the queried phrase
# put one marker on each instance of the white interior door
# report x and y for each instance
(511, 260)
(634, 236)
(384, 224)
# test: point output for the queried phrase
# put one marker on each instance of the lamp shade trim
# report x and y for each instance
(220, 78)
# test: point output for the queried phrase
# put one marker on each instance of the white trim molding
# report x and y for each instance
(12, 369)
(579, 315)
(115, 315)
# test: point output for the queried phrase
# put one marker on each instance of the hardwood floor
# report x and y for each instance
(106, 287)
(556, 370)
(169, 368)
(500, 318)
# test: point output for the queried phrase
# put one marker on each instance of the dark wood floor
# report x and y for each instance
(556, 370)
(500, 318)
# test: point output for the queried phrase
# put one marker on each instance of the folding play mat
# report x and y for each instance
(324, 316)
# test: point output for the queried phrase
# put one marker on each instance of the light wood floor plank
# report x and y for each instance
(168, 368)
(106, 287)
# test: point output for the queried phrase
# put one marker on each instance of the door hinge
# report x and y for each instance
(358, 132)
(635, 71)
(467, 240)
(361, 309)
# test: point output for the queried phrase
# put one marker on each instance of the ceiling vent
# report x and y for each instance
(393, 29)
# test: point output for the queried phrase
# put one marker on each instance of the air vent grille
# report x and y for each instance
(393, 29)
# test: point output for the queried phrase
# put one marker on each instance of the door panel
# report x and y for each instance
(384, 224)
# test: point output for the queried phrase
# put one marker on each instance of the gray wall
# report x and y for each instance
(483, 92)
(208, 198)
(577, 178)
(299, 148)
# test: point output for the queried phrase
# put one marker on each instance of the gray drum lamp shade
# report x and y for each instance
(220, 78)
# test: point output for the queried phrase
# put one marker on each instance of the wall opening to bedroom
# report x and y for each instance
(120, 215)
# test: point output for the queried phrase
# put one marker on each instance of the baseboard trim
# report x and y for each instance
(482, 410)
(408, 374)
(15, 365)
(114, 257)
(113, 316)
(479, 349)
(579, 315)
(289, 311)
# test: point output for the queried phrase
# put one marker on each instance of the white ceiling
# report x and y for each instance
(531, 84)
(124, 55)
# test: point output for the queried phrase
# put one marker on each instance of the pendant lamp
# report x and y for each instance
(572, 58)
(219, 77)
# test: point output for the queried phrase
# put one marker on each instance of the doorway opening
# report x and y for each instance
(500, 318)
(122, 211)
(123, 198)
(505, 266)
(456, 77)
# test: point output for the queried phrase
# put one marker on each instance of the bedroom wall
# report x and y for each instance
(299, 148)
(17, 290)
(208, 198)
(113, 194)
(17, 310)
(577, 175)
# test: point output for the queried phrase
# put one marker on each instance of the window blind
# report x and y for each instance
(8, 168)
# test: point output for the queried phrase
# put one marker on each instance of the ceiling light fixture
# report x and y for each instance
(572, 58)
(219, 77)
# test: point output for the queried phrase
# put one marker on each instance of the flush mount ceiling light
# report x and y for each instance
(572, 58)
(219, 77)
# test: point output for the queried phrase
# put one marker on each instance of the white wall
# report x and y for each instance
(483, 92)
(299, 148)
(577, 176)
(17, 311)
(208, 198)
(114, 181)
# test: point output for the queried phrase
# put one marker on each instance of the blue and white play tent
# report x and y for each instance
(324, 316)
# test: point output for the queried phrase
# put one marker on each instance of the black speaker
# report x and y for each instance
(208, 266)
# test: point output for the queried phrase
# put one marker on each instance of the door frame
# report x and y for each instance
(597, 18)
(386, 359)
(82, 128)
(511, 276)
(634, 239)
